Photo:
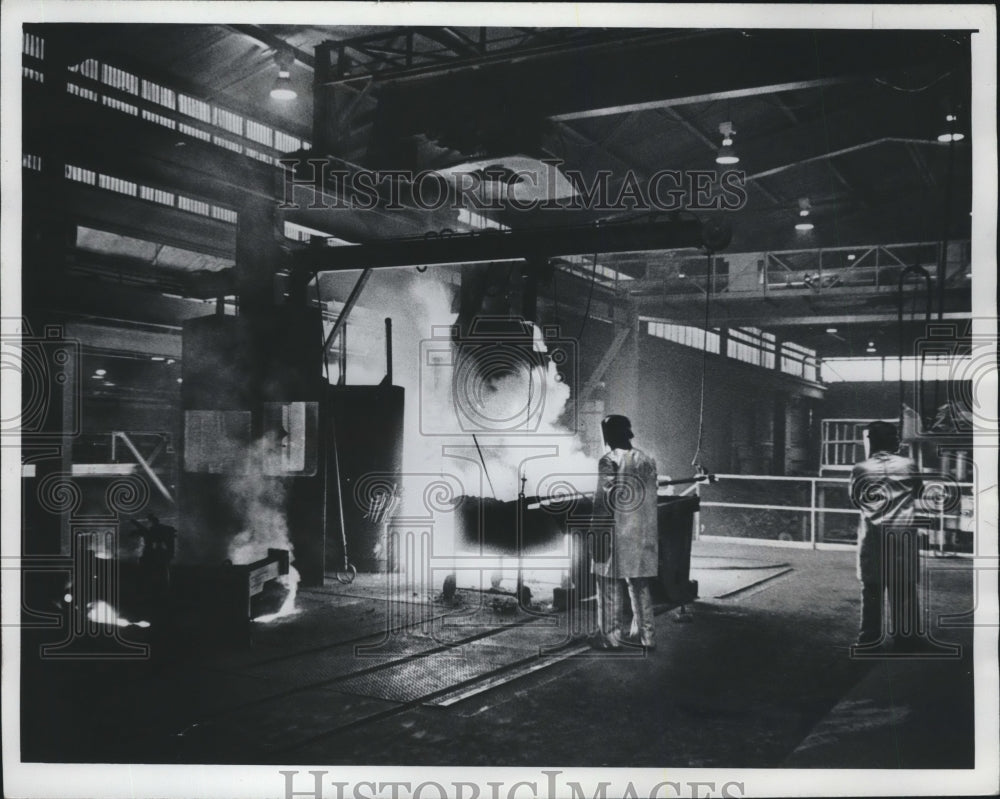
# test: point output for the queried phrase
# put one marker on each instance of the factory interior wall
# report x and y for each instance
(742, 403)
(880, 400)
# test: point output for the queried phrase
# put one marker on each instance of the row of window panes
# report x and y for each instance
(835, 370)
(228, 121)
(33, 45)
(160, 95)
(117, 185)
(119, 105)
(80, 91)
(89, 69)
(749, 353)
(754, 336)
(33, 74)
(119, 79)
(478, 221)
(29, 161)
(685, 334)
(225, 214)
(194, 206)
(149, 193)
(159, 119)
(157, 196)
(267, 159)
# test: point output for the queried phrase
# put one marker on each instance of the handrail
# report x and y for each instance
(813, 509)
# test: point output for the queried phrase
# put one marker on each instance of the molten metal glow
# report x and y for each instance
(103, 613)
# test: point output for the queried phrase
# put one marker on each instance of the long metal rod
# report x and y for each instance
(146, 467)
(348, 307)
(483, 461)
(340, 490)
(388, 351)
(844, 151)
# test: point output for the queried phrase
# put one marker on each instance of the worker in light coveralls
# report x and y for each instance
(885, 487)
(627, 559)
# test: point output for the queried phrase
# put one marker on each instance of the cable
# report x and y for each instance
(319, 303)
(917, 90)
(482, 460)
(704, 363)
(918, 390)
(555, 297)
(590, 296)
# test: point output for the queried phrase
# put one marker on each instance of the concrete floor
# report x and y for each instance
(762, 678)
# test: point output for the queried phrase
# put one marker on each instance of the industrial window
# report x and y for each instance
(29, 161)
(198, 133)
(159, 119)
(34, 74)
(267, 159)
(299, 232)
(119, 105)
(285, 143)
(89, 69)
(157, 195)
(798, 360)
(259, 133)
(132, 189)
(119, 79)
(194, 206)
(751, 345)
(160, 95)
(584, 266)
(117, 185)
(33, 45)
(875, 369)
(689, 336)
(194, 108)
(80, 91)
(81, 175)
(227, 120)
(227, 144)
(478, 221)
(224, 214)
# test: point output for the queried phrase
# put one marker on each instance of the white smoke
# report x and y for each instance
(260, 500)
(438, 444)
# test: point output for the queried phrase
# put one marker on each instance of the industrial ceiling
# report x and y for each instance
(844, 123)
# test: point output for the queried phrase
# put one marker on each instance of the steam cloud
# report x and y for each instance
(533, 396)
(260, 500)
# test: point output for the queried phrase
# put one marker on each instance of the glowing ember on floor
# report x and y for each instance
(103, 613)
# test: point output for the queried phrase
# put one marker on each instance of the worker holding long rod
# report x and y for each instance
(629, 557)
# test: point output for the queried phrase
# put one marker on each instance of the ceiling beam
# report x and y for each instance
(260, 34)
(768, 62)
(844, 151)
(124, 339)
(513, 245)
(778, 306)
(674, 115)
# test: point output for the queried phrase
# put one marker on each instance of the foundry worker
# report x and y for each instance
(158, 541)
(885, 487)
(626, 500)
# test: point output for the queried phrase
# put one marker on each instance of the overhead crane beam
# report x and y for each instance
(507, 246)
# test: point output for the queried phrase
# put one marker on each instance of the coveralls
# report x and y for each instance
(626, 498)
(884, 487)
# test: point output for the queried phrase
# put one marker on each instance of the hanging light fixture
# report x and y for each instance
(950, 133)
(283, 89)
(727, 153)
(804, 225)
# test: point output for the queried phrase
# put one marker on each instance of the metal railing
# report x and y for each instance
(816, 512)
